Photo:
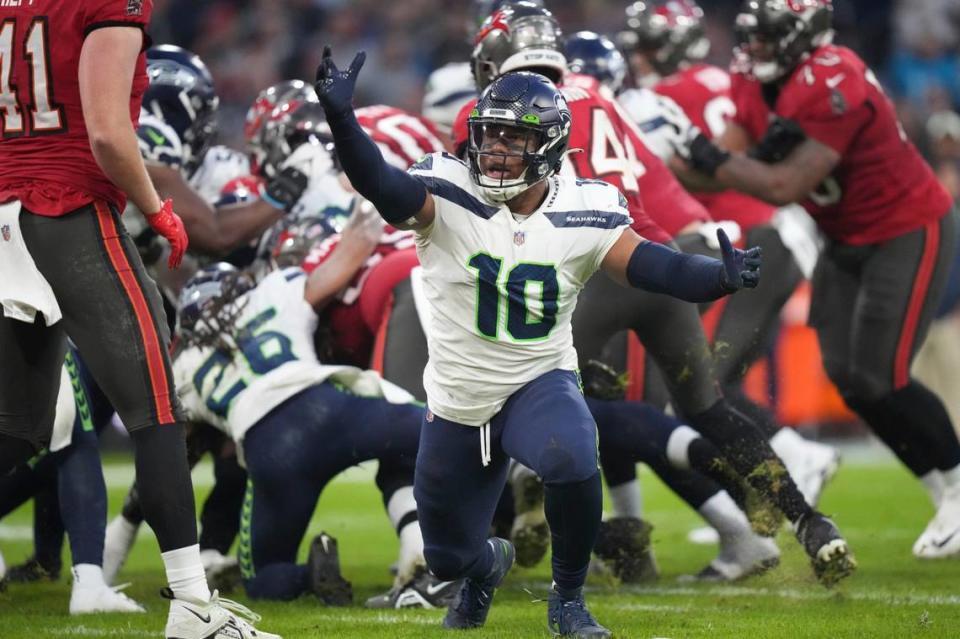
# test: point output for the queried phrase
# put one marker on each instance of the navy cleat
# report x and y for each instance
(570, 618)
(472, 605)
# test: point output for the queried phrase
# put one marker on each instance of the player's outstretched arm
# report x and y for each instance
(789, 166)
(360, 236)
(634, 261)
(105, 75)
(212, 232)
(401, 200)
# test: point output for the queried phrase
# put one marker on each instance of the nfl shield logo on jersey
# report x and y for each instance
(5, 230)
(134, 7)
(519, 237)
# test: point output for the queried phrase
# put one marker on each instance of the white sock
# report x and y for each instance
(88, 576)
(185, 573)
(951, 477)
(721, 512)
(786, 441)
(3, 567)
(411, 552)
(627, 500)
(678, 446)
(933, 481)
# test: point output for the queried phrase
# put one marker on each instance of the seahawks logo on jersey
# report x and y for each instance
(159, 143)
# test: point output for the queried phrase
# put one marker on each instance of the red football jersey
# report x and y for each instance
(608, 147)
(403, 137)
(881, 187)
(45, 156)
(354, 316)
(703, 92)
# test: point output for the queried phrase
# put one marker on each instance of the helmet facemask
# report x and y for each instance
(774, 36)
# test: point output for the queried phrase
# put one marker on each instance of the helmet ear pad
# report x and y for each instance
(528, 101)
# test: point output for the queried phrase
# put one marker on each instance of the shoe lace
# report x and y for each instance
(576, 613)
(236, 608)
(473, 599)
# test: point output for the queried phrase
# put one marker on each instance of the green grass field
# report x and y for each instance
(877, 505)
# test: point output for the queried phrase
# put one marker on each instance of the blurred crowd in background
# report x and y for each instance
(914, 46)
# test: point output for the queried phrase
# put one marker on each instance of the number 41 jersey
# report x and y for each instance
(45, 154)
(501, 291)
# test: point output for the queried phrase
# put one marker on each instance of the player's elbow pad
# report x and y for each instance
(660, 269)
(396, 195)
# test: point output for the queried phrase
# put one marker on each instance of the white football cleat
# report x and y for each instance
(118, 541)
(101, 598)
(942, 536)
(214, 619)
(741, 556)
(810, 464)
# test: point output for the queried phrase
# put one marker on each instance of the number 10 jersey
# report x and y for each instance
(501, 291)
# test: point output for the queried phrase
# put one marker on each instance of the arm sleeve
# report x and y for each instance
(660, 269)
(396, 195)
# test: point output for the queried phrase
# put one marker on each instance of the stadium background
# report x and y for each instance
(913, 45)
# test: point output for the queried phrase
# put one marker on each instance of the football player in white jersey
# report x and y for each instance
(176, 128)
(247, 365)
(506, 244)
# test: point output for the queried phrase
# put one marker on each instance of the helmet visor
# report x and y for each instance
(502, 149)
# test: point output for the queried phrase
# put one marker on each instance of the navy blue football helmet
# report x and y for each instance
(182, 94)
(531, 116)
(595, 55)
(205, 309)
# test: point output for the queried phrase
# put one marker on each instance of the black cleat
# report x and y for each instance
(570, 618)
(325, 579)
(830, 556)
(624, 546)
(472, 605)
(423, 591)
(32, 570)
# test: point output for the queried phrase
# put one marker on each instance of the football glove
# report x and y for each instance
(334, 87)
(704, 155)
(285, 189)
(741, 269)
(781, 138)
(168, 224)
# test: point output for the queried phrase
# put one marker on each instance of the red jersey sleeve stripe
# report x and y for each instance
(148, 331)
(921, 284)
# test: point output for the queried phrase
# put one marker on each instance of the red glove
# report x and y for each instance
(169, 225)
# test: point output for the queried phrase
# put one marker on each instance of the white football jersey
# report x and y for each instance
(501, 291)
(220, 165)
(646, 109)
(448, 89)
(271, 359)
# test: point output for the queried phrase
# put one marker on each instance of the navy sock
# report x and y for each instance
(573, 512)
(83, 497)
(278, 581)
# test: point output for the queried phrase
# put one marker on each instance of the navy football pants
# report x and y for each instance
(292, 454)
(545, 426)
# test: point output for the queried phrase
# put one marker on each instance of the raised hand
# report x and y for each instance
(741, 269)
(334, 87)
